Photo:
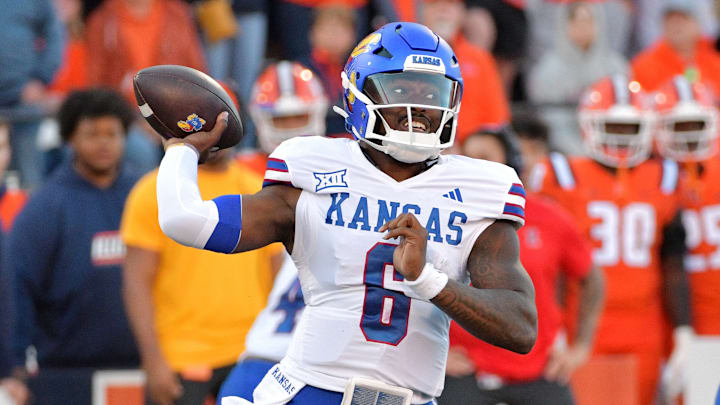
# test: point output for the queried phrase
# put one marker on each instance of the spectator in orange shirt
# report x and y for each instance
(484, 101)
(681, 51)
(73, 70)
(124, 36)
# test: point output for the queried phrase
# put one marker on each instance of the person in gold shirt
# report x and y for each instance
(190, 309)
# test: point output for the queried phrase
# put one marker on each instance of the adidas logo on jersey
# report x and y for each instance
(454, 195)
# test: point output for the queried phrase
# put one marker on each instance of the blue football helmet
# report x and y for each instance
(402, 91)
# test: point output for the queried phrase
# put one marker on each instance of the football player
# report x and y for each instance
(627, 206)
(385, 257)
(287, 100)
(687, 132)
(269, 338)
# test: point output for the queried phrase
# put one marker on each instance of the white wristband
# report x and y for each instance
(430, 282)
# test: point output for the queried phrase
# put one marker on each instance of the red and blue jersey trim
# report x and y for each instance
(275, 182)
(517, 189)
(514, 209)
(277, 173)
(277, 165)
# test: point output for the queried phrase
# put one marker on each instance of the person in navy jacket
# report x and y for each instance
(66, 253)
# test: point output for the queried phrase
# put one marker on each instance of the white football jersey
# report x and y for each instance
(360, 319)
(272, 330)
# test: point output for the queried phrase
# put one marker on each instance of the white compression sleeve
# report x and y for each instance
(183, 215)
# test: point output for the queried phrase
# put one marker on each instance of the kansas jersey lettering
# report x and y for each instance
(361, 319)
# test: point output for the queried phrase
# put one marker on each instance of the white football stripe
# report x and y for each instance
(515, 199)
(276, 175)
(145, 110)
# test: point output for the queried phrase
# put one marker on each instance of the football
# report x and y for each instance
(178, 101)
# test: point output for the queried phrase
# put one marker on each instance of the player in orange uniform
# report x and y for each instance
(287, 100)
(687, 132)
(627, 206)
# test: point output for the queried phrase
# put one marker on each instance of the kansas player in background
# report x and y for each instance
(269, 338)
(385, 256)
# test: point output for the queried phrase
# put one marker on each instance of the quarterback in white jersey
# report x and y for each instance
(391, 240)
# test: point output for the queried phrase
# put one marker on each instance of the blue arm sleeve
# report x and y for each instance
(53, 33)
(226, 235)
(31, 246)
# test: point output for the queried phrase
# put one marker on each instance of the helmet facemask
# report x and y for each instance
(411, 116)
(288, 119)
(287, 101)
(689, 133)
(619, 137)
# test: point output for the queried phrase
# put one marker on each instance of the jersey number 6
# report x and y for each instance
(385, 312)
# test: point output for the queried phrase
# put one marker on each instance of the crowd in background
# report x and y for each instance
(526, 65)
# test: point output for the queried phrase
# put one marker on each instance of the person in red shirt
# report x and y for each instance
(287, 100)
(551, 247)
(484, 100)
(681, 51)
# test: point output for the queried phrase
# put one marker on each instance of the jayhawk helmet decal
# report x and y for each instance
(687, 120)
(402, 91)
(615, 122)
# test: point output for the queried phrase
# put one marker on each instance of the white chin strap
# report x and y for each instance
(405, 153)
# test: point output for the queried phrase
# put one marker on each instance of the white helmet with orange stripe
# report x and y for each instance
(687, 120)
(616, 123)
(287, 101)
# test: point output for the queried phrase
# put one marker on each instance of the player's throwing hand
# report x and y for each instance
(203, 142)
(409, 256)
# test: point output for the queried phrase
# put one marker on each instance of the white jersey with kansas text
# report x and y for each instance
(270, 334)
(360, 319)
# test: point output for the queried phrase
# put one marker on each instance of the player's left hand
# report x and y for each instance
(674, 375)
(409, 256)
(564, 361)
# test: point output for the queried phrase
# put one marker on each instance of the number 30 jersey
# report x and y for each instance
(623, 214)
(361, 320)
